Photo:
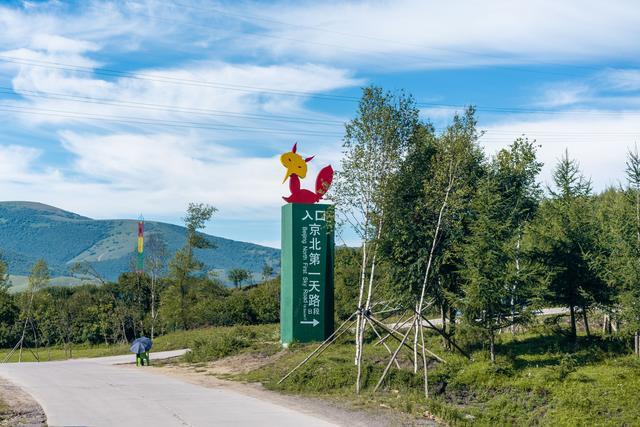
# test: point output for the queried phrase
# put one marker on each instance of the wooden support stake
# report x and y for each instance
(393, 357)
(448, 338)
(378, 335)
(324, 344)
(432, 354)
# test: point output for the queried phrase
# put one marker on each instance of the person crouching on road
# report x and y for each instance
(141, 358)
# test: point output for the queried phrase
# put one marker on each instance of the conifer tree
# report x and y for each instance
(562, 235)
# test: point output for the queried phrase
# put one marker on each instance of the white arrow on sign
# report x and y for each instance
(313, 322)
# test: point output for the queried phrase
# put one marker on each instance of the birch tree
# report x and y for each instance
(516, 170)
(374, 144)
(156, 255)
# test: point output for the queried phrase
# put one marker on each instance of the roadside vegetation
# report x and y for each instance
(538, 378)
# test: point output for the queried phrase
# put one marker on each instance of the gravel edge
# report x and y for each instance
(24, 411)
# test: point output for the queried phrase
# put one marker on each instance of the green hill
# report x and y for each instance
(30, 231)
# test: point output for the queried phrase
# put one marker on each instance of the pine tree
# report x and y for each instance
(562, 235)
(490, 265)
(615, 257)
(632, 294)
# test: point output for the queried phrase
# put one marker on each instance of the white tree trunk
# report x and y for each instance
(359, 319)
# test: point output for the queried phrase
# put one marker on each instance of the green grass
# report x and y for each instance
(204, 342)
(58, 352)
(538, 380)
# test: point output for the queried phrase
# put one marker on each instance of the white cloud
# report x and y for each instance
(430, 34)
(55, 43)
(622, 79)
(112, 169)
(599, 140)
(564, 94)
(201, 86)
(16, 161)
(117, 174)
(109, 169)
(56, 26)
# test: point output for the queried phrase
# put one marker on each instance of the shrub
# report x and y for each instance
(220, 344)
(264, 301)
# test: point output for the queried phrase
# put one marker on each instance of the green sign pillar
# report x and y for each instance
(306, 287)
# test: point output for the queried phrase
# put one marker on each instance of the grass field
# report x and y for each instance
(539, 378)
(198, 339)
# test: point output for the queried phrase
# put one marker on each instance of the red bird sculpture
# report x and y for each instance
(296, 170)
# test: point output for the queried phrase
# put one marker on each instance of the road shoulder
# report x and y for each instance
(21, 409)
(328, 410)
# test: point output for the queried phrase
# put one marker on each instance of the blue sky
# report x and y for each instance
(112, 109)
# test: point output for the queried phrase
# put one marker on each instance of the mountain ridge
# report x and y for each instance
(32, 230)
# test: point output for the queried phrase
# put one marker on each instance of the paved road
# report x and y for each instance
(438, 321)
(94, 392)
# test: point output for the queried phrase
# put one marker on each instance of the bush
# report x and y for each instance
(221, 343)
(232, 310)
(567, 365)
(264, 301)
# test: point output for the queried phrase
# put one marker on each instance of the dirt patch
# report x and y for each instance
(21, 409)
(237, 364)
(209, 375)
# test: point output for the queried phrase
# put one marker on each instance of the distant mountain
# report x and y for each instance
(30, 231)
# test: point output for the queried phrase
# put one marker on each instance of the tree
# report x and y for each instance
(631, 296)
(562, 235)
(184, 264)
(427, 213)
(238, 275)
(9, 310)
(491, 266)
(346, 276)
(615, 256)
(374, 144)
(516, 170)
(38, 279)
(267, 272)
(156, 255)
(264, 300)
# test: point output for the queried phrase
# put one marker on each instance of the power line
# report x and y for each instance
(171, 80)
(253, 89)
(149, 121)
(164, 107)
(503, 134)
